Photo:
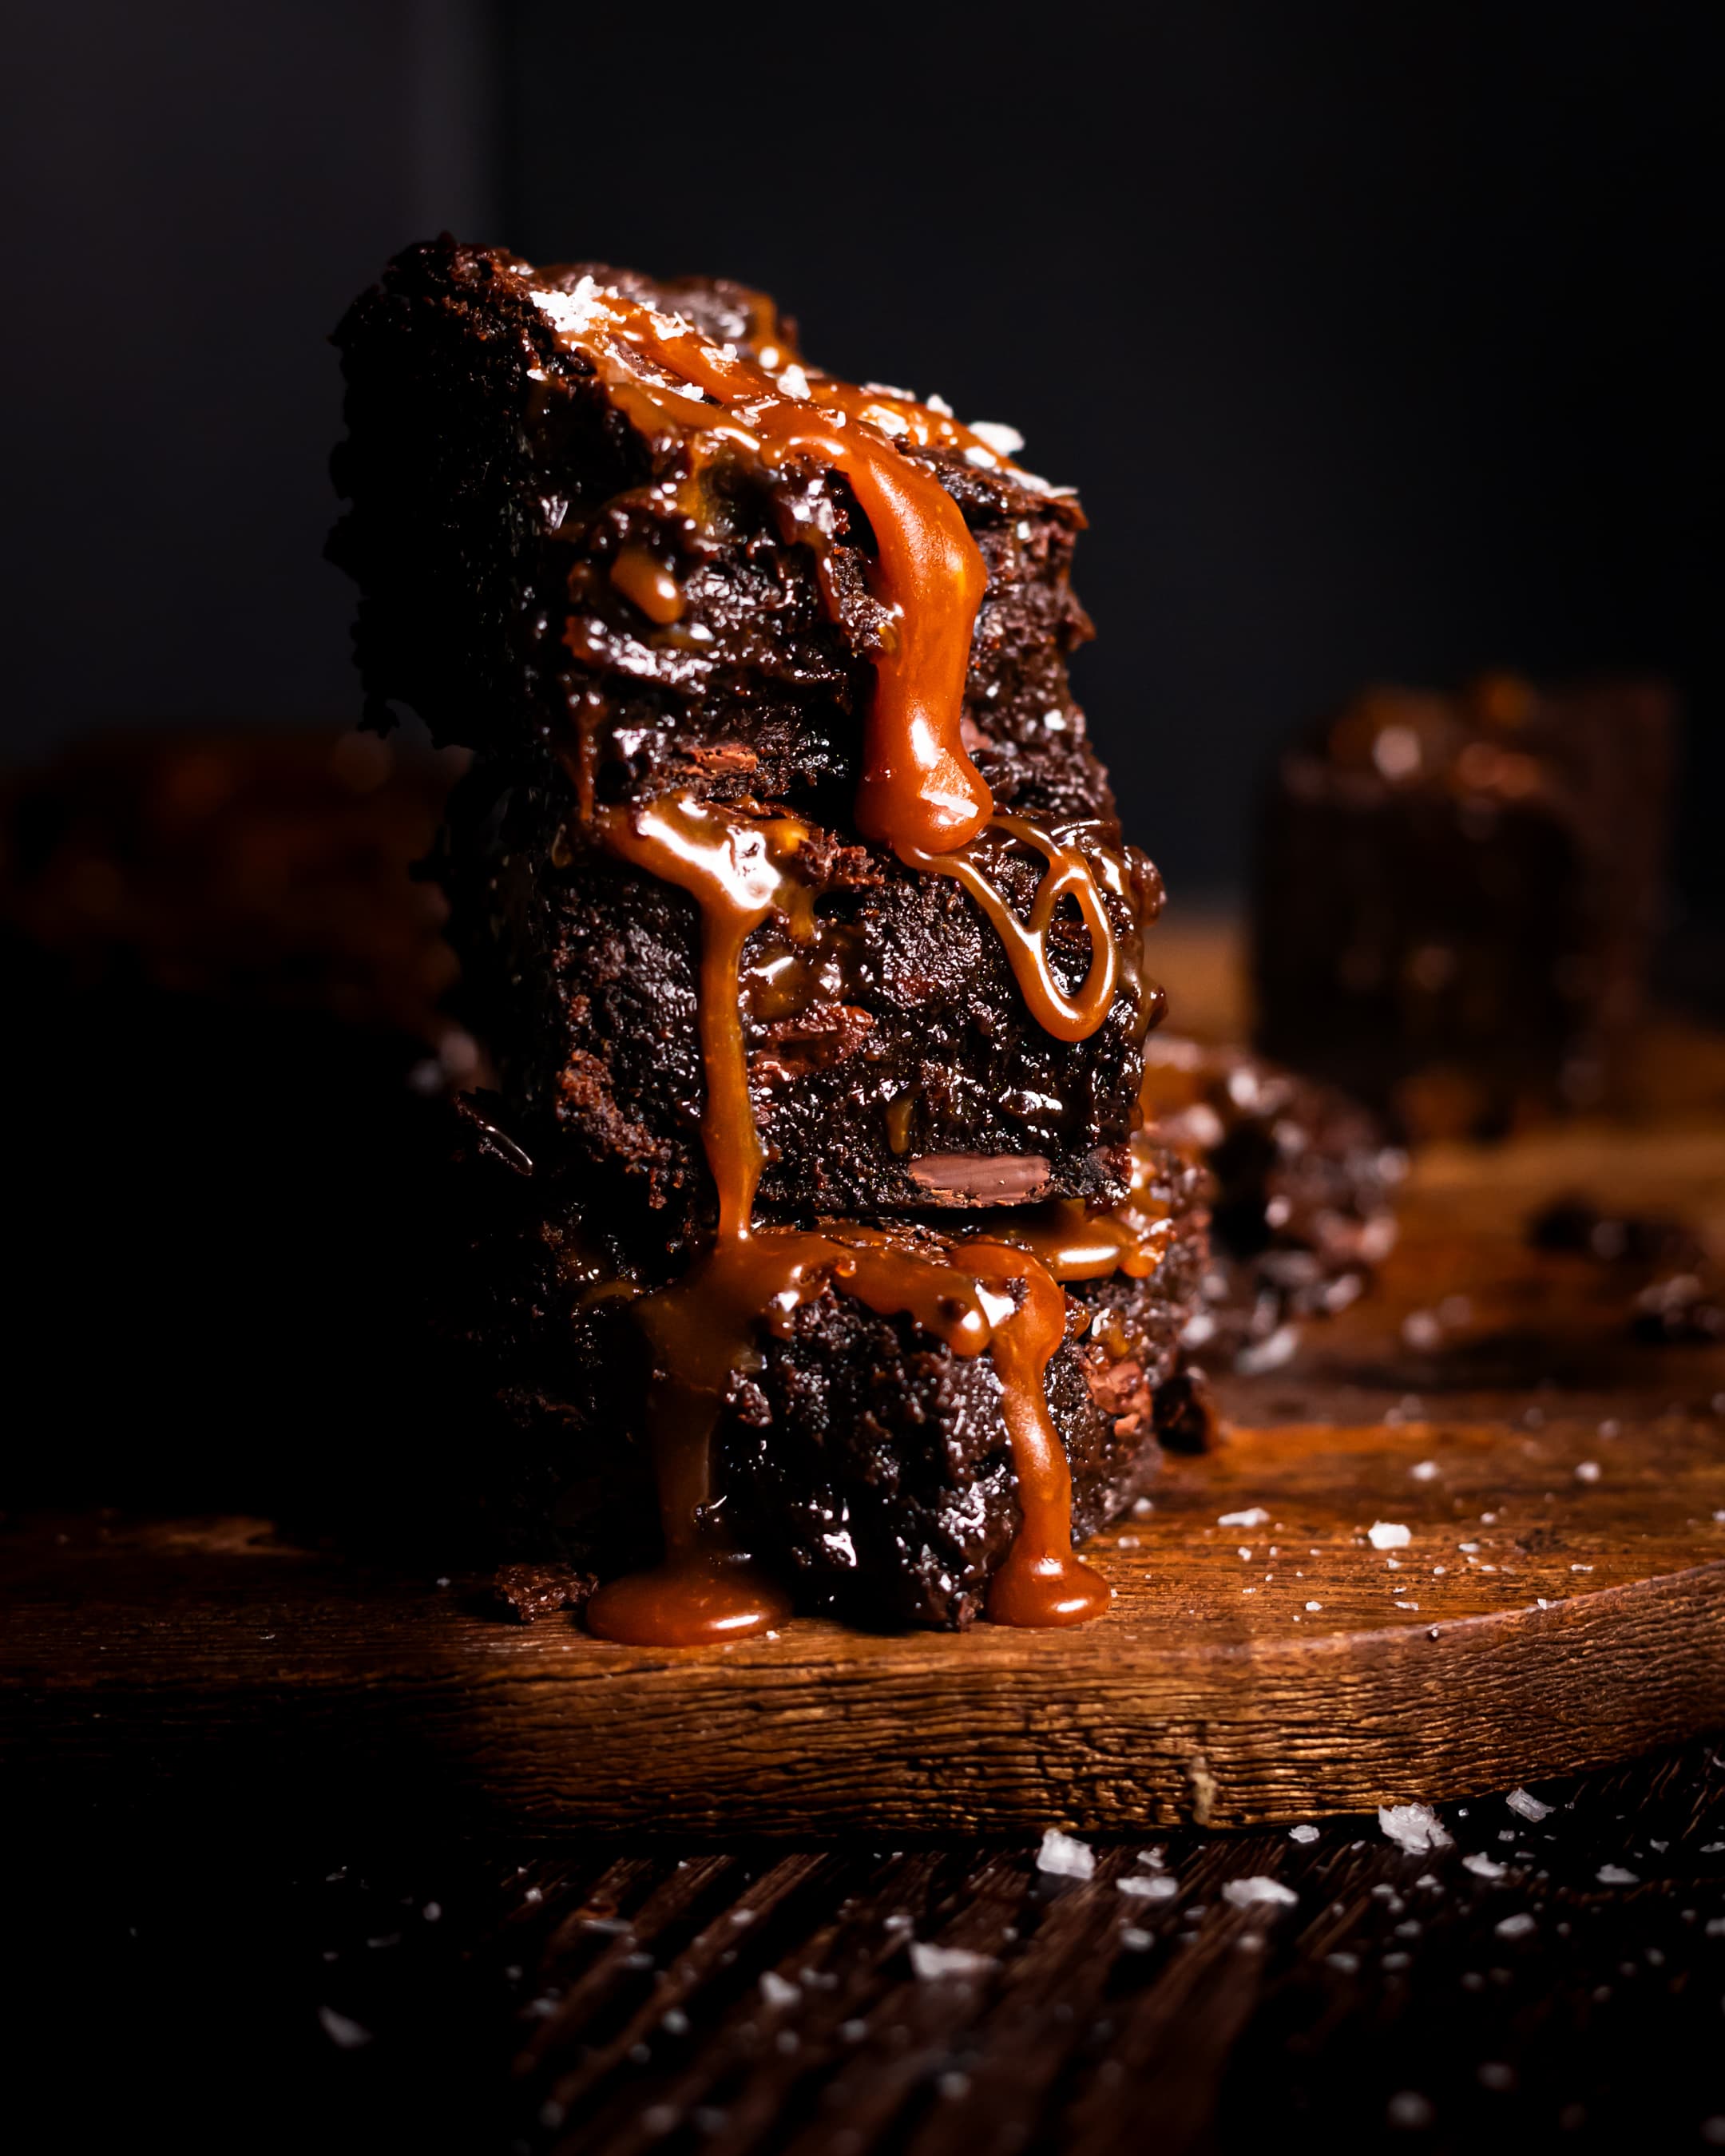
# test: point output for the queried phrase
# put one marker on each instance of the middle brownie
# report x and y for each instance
(893, 1063)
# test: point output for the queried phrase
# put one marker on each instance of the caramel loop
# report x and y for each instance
(1069, 875)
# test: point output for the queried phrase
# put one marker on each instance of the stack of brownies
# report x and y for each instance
(811, 1254)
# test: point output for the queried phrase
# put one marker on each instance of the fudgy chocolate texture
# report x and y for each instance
(893, 1064)
(1301, 1182)
(1457, 896)
(493, 490)
(861, 1458)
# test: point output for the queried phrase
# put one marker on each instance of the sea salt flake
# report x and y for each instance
(1005, 441)
(777, 1991)
(1528, 1807)
(1254, 1516)
(1066, 1855)
(1587, 1470)
(1388, 1534)
(1252, 1893)
(1136, 1939)
(1413, 1827)
(1152, 1886)
(934, 1962)
(1302, 1832)
(1483, 1866)
(1517, 1927)
(1423, 1470)
(348, 2035)
(1613, 1875)
(1314, 1605)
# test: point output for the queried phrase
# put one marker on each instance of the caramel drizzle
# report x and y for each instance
(918, 786)
(919, 791)
(703, 1330)
(1069, 875)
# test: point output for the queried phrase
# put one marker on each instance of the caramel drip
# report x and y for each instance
(1042, 1583)
(1072, 1243)
(649, 585)
(734, 869)
(919, 789)
(1069, 875)
(703, 1330)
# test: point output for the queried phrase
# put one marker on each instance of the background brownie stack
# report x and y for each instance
(1457, 898)
(537, 584)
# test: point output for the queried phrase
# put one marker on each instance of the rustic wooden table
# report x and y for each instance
(235, 1931)
(1537, 1982)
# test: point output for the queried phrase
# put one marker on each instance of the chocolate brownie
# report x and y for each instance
(545, 579)
(859, 1455)
(1456, 895)
(795, 914)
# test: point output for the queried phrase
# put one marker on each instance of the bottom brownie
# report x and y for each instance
(861, 1459)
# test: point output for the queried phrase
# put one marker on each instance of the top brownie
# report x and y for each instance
(550, 578)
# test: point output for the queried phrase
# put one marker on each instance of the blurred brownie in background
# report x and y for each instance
(1456, 897)
(225, 1047)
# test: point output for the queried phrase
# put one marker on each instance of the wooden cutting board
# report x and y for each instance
(1558, 1602)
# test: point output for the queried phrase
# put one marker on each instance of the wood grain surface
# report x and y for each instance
(1559, 1603)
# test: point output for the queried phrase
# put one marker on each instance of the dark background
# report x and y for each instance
(1373, 336)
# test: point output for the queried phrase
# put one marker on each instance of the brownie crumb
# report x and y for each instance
(523, 1592)
(1186, 1416)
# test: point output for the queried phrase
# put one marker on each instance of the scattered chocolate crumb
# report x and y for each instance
(1186, 1418)
(523, 1592)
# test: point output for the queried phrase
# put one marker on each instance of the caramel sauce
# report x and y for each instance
(975, 1295)
(1069, 875)
(648, 584)
(1074, 1243)
(1042, 1582)
(920, 793)
(918, 786)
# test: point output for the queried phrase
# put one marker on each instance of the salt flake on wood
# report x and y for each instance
(1253, 1893)
(1528, 1807)
(1066, 1855)
(1413, 1827)
(933, 1963)
(1388, 1534)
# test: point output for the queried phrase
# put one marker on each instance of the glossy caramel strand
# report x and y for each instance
(919, 788)
(1041, 1582)
(975, 1296)
(1068, 874)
